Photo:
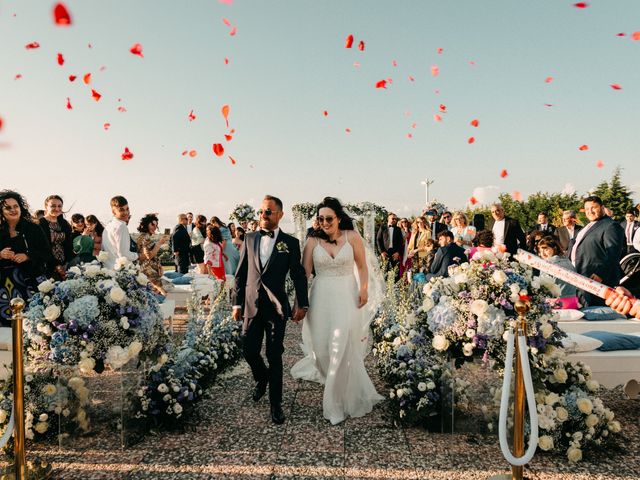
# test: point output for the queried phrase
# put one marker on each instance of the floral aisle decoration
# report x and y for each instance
(95, 317)
(466, 316)
(178, 381)
(306, 210)
(243, 212)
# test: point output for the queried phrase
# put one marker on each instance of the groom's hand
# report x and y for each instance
(298, 314)
(236, 313)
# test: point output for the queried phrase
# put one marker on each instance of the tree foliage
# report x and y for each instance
(615, 195)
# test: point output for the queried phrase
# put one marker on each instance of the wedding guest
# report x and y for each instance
(181, 244)
(239, 238)
(485, 242)
(83, 248)
(532, 241)
(597, 255)
(58, 231)
(116, 240)
(244, 224)
(568, 231)
(23, 252)
(507, 233)
(148, 249)
(253, 225)
(37, 215)
(190, 223)
(551, 251)
(213, 246)
(94, 229)
(630, 226)
(463, 233)
(433, 225)
(77, 225)
(447, 255)
(419, 247)
(229, 252)
(544, 226)
(232, 229)
(390, 243)
(405, 229)
(198, 234)
(447, 219)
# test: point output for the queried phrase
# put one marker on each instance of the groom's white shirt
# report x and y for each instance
(266, 246)
(117, 242)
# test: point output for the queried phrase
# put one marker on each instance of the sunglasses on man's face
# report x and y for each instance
(267, 212)
(329, 220)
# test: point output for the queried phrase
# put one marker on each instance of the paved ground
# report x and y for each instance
(235, 439)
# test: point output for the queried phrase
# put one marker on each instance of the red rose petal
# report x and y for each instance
(473, 200)
(437, 118)
(635, 36)
(232, 160)
(185, 152)
(226, 22)
(18, 76)
(136, 49)
(233, 31)
(61, 15)
(32, 45)
(225, 114)
(193, 153)
(106, 126)
(381, 84)
(96, 96)
(581, 5)
(348, 130)
(1, 122)
(413, 125)
(443, 107)
(621, 34)
(192, 117)
(122, 109)
(440, 50)
(471, 140)
(356, 64)
(87, 78)
(361, 46)
(69, 106)
(475, 122)
(504, 174)
(548, 80)
(548, 104)
(394, 63)
(435, 71)
(325, 113)
(616, 86)
(226, 61)
(348, 42)
(583, 147)
(72, 78)
(127, 154)
(411, 79)
(228, 138)
(409, 135)
(60, 59)
(599, 164)
(218, 149)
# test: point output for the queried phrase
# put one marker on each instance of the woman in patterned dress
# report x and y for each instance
(148, 249)
(58, 232)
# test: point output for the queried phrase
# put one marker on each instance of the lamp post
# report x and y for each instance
(427, 183)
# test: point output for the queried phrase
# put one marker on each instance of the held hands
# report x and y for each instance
(236, 313)
(363, 297)
(298, 314)
(621, 302)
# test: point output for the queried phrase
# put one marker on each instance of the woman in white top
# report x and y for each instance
(198, 235)
(463, 233)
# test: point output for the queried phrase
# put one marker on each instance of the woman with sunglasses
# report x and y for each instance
(336, 330)
(23, 252)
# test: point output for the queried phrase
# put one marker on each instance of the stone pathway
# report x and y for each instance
(235, 439)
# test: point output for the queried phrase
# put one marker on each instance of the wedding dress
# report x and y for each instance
(335, 334)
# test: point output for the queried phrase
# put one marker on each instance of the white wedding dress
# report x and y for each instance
(335, 334)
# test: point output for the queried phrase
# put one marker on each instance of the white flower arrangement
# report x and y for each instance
(243, 212)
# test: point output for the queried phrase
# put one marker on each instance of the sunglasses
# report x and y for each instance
(328, 219)
(267, 212)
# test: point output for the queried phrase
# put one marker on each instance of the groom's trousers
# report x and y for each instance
(267, 324)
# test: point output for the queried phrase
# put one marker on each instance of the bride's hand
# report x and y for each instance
(363, 297)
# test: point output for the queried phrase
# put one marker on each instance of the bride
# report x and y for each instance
(335, 332)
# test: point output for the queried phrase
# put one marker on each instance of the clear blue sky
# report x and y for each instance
(287, 64)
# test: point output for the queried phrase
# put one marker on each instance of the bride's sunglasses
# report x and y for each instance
(328, 219)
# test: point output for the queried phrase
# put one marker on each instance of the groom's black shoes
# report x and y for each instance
(277, 415)
(258, 391)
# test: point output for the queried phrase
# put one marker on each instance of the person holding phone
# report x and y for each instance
(148, 249)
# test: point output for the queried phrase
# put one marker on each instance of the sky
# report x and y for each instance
(536, 75)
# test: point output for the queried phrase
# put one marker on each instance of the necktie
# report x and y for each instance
(267, 233)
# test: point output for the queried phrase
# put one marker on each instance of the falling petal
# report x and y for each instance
(87, 78)
(548, 80)
(226, 61)
(348, 130)
(503, 174)
(325, 113)
(102, 68)
(516, 195)
(32, 45)
(127, 154)
(193, 153)
(616, 86)
(583, 147)
(226, 2)
(96, 96)
(1, 123)
(472, 63)
(225, 114)
(435, 71)
(409, 135)
(413, 125)
(89, 46)
(473, 200)
(60, 59)
(621, 34)
(136, 49)
(548, 104)
(218, 149)
(361, 46)
(192, 117)
(69, 106)
(185, 152)
(599, 164)
(233, 160)
(348, 42)
(437, 118)
(394, 63)
(411, 79)
(226, 22)
(233, 31)
(443, 107)
(61, 15)
(106, 126)
(635, 36)
(471, 140)
(440, 50)
(18, 76)
(475, 122)
(228, 138)
(581, 5)
(122, 109)
(381, 84)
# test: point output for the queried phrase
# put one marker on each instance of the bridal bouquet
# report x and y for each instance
(95, 317)
(243, 212)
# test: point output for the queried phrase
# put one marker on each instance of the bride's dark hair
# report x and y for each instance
(344, 221)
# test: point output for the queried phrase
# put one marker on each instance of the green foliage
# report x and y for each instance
(615, 195)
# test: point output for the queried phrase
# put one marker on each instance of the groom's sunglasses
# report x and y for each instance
(267, 212)
(328, 219)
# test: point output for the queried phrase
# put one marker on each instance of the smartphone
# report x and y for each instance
(167, 231)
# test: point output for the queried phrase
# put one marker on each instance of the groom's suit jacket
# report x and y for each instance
(252, 276)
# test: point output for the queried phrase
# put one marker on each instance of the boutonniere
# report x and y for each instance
(282, 247)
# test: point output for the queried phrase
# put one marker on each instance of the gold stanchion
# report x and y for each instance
(20, 470)
(517, 472)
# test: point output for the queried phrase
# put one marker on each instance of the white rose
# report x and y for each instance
(467, 349)
(116, 356)
(43, 417)
(499, 277)
(103, 256)
(515, 288)
(167, 397)
(574, 454)
(551, 399)
(470, 333)
(177, 408)
(46, 286)
(431, 385)
(440, 343)
(135, 348)
(124, 323)
(562, 414)
(591, 421)
(427, 303)
(41, 427)
(584, 405)
(422, 386)
(51, 313)
(86, 365)
(66, 412)
(614, 426)
(92, 270)
(400, 392)
(117, 295)
(560, 374)
(593, 385)
(75, 270)
(461, 278)
(545, 442)
(609, 415)
(547, 330)
(49, 389)
(478, 307)
(120, 263)
(142, 279)
(162, 388)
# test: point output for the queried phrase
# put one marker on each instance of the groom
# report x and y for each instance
(260, 298)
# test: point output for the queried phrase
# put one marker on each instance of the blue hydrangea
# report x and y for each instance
(441, 317)
(403, 352)
(84, 310)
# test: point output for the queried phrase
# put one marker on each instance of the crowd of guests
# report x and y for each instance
(433, 242)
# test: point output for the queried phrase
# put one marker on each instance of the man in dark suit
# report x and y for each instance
(544, 226)
(507, 231)
(261, 300)
(598, 248)
(433, 225)
(390, 242)
(568, 232)
(449, 253)
(180, 244)
(630, 226)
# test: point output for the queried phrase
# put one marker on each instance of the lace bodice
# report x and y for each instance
(340, 266)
